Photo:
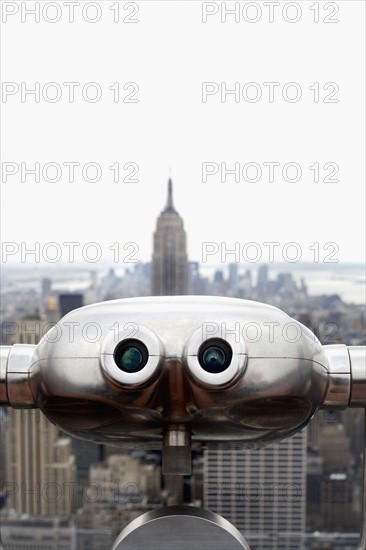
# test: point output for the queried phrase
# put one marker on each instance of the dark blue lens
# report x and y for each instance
(214, 355)
(131, 355)
(131, 359)
(214, 359)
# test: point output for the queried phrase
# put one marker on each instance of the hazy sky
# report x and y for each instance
(168, 54)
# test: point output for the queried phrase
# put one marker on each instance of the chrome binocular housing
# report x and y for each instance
(179, 371)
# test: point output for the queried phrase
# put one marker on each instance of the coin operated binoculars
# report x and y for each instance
(176, 373)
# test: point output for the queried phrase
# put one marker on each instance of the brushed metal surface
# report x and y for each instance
(357, 356)
(339, 388)
(4, 354)
(180, 528)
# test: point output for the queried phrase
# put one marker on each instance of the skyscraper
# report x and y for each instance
(169, 274)
(262, 281)
(262, 492)
(70, 301)
(40, 466)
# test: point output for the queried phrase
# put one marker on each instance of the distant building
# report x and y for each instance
(218, 276)
(122, 488)
(86, 453)
(45, 288)
(338, 503)
(40, 466)
(233, 274)
(69, 302)
(29, 329)
(334, 446)
(51, 309)
(262, 492)
(334, 492)
(262, 281)
(169, 270)
(314, 478)
(197, 284)
(2, 456)
(41, 533)
(91, 295)
(122, 476)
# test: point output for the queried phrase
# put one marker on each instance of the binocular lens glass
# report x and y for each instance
(131, 359)
(215, 355)
(214, 358)
(131, 355)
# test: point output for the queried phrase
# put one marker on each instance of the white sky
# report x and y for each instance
(169, 53)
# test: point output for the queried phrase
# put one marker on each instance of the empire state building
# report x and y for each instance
(169, 262)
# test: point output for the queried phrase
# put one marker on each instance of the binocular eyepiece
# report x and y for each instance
(131, 355)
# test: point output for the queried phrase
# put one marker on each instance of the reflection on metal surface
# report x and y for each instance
(358, 367)
(176, 455)
(180, 528)
(4, 353)
(339, 388)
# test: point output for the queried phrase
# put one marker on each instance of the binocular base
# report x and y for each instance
(179, 528)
